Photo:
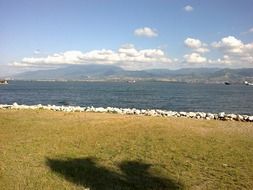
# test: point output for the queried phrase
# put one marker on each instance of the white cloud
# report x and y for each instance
(196, 45)
(195, 58)
(251, 30)
(193, 43)
(234, 51)
(230, 44)
(188, 8)
(234, 46)
(225, 60)
(202, 50)
(146, 32)
(125, 56)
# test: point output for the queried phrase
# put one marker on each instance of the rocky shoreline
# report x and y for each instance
(133, 111)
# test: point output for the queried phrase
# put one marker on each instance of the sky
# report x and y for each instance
(132, 34)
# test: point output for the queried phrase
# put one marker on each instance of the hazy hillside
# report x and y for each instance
(82, 72)
(108, 72)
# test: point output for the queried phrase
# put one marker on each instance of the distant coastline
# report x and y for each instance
(127, 81)
(113, 73)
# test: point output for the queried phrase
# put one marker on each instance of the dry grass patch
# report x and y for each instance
(55, 150)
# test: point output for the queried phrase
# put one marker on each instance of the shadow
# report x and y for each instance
(87, 173)
(137, 176)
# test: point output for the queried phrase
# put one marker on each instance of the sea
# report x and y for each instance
(214, 98)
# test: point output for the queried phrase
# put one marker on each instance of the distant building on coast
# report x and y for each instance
(3, 82)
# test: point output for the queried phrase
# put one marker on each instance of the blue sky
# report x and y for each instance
(133, 34)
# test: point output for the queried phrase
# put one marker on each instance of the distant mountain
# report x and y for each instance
(76, 72)
(109, 72)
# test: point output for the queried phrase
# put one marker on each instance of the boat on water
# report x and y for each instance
(227, 83)
(3, 82)
(131, 81)
(248, 83)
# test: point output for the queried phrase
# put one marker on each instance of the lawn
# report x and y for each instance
(55, 150)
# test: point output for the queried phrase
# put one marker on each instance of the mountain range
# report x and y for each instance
(113, 73)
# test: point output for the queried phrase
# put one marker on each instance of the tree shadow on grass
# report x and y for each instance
(88, 173)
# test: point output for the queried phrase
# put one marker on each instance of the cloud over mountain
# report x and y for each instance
(126, 55)
(194, 58)
(229, 51)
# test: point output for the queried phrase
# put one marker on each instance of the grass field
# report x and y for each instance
(55, 150)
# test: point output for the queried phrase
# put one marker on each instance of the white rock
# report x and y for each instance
(177, 114)
(221, 115)
(143, 111)
(127, 111)
(137, 112)
(169, 113)
(192, 114)
(202, 114)
(227, 118)
(239, 117)
(5, 106)
(117, 110)
(245, 117)
(100, 109)
(210, 115)
(39, 106)
(151, 113)
(182, 113)
(15, 104)
(232, 116)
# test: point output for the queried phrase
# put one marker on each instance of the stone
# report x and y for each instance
(184, 114)
(137, 112)
(202, 114)
(232, 116)
(15, 104)
(239, 117)
(170, 113)
(143, 111)
(5, 106)
(192, 114)
(100, 110)
(210, 115)
(245, 117)
(227, 118)
(221, 115)
(151, 113)
(117, 110)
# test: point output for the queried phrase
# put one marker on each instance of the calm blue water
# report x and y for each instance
(160, 95)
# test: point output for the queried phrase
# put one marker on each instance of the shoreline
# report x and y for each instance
(127, 79)
(133, 111)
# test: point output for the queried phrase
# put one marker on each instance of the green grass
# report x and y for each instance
(55, 150)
